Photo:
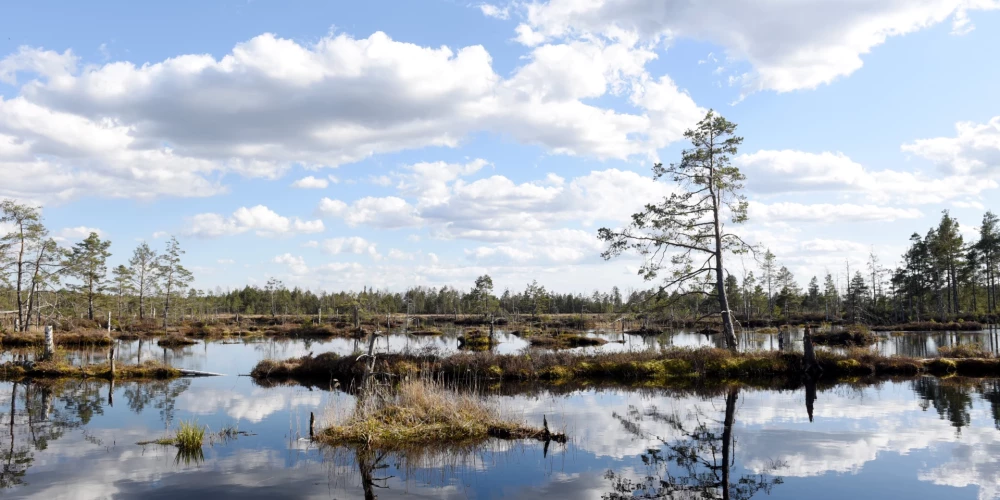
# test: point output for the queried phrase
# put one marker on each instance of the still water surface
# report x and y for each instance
(922, 438)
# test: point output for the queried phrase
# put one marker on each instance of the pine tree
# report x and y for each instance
(690, 222)
(88, 262)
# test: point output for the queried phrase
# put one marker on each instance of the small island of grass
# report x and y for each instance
(420, 413)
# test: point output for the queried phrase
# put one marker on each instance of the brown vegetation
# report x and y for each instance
(76, 338)
(565, 340)
(974, 350)
(61, 369)
(623, 367)
(422, 412)
(932, 326)
(852, 335)
(175, 341)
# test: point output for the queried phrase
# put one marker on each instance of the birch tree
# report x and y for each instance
(686, 232)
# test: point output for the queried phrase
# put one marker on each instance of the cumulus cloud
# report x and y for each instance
(296, 265)
(828, 212)
(790, 45)
(353, 244)
(310, 182)
(78, 233)
(519, 221)
(181, 125)
(790, 171)
(490, 10)
(974, 151)
(260, 219)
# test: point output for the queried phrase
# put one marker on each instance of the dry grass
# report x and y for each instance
(644, 367)
(175, 341)
(974, 350)
(565, 340)
(61, 369)
(75, 338)
(475, 340)
(426, 333)
(422, 412)
(932, 326)
(853, 335)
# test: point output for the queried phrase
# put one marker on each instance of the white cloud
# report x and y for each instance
(310, 182)
(260, 219)
(385, 212)
(790, 45)
(226, 262)
(790, 171)
(160, 234)
(380, 180)
(397, 254)
(490, 10)
(828, 213)
(974, 151)
(47, 63)
(311, 244)
(521, 222)
(818, 245)
(353, 244)
(180, 126)
(296, 265)
(78, 233)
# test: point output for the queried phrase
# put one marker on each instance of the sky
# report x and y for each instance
(337, 145)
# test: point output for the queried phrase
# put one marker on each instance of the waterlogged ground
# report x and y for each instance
(239, 356)
(923, 438)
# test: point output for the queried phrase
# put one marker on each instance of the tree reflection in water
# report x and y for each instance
(40, 412)
(696, 465)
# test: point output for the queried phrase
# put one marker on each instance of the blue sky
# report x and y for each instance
(470, 138)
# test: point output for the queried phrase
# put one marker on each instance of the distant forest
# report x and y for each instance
(942, 277)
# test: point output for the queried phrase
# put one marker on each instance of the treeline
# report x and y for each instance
(942, 277)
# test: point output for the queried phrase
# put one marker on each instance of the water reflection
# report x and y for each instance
(936, 438)
(698, 464)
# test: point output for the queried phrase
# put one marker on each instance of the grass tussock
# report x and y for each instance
(852, 335)
(476, 340)
(430, 332)
(61, 369)
(932, 326)
(189, 437)
(76, 338)
(565, 340)
(423, 412)
(646, 367)
(174, 341)
(974, 350)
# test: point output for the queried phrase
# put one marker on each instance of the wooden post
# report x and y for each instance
(50, 343)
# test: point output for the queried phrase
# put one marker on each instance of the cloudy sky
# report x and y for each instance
(342, 144)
